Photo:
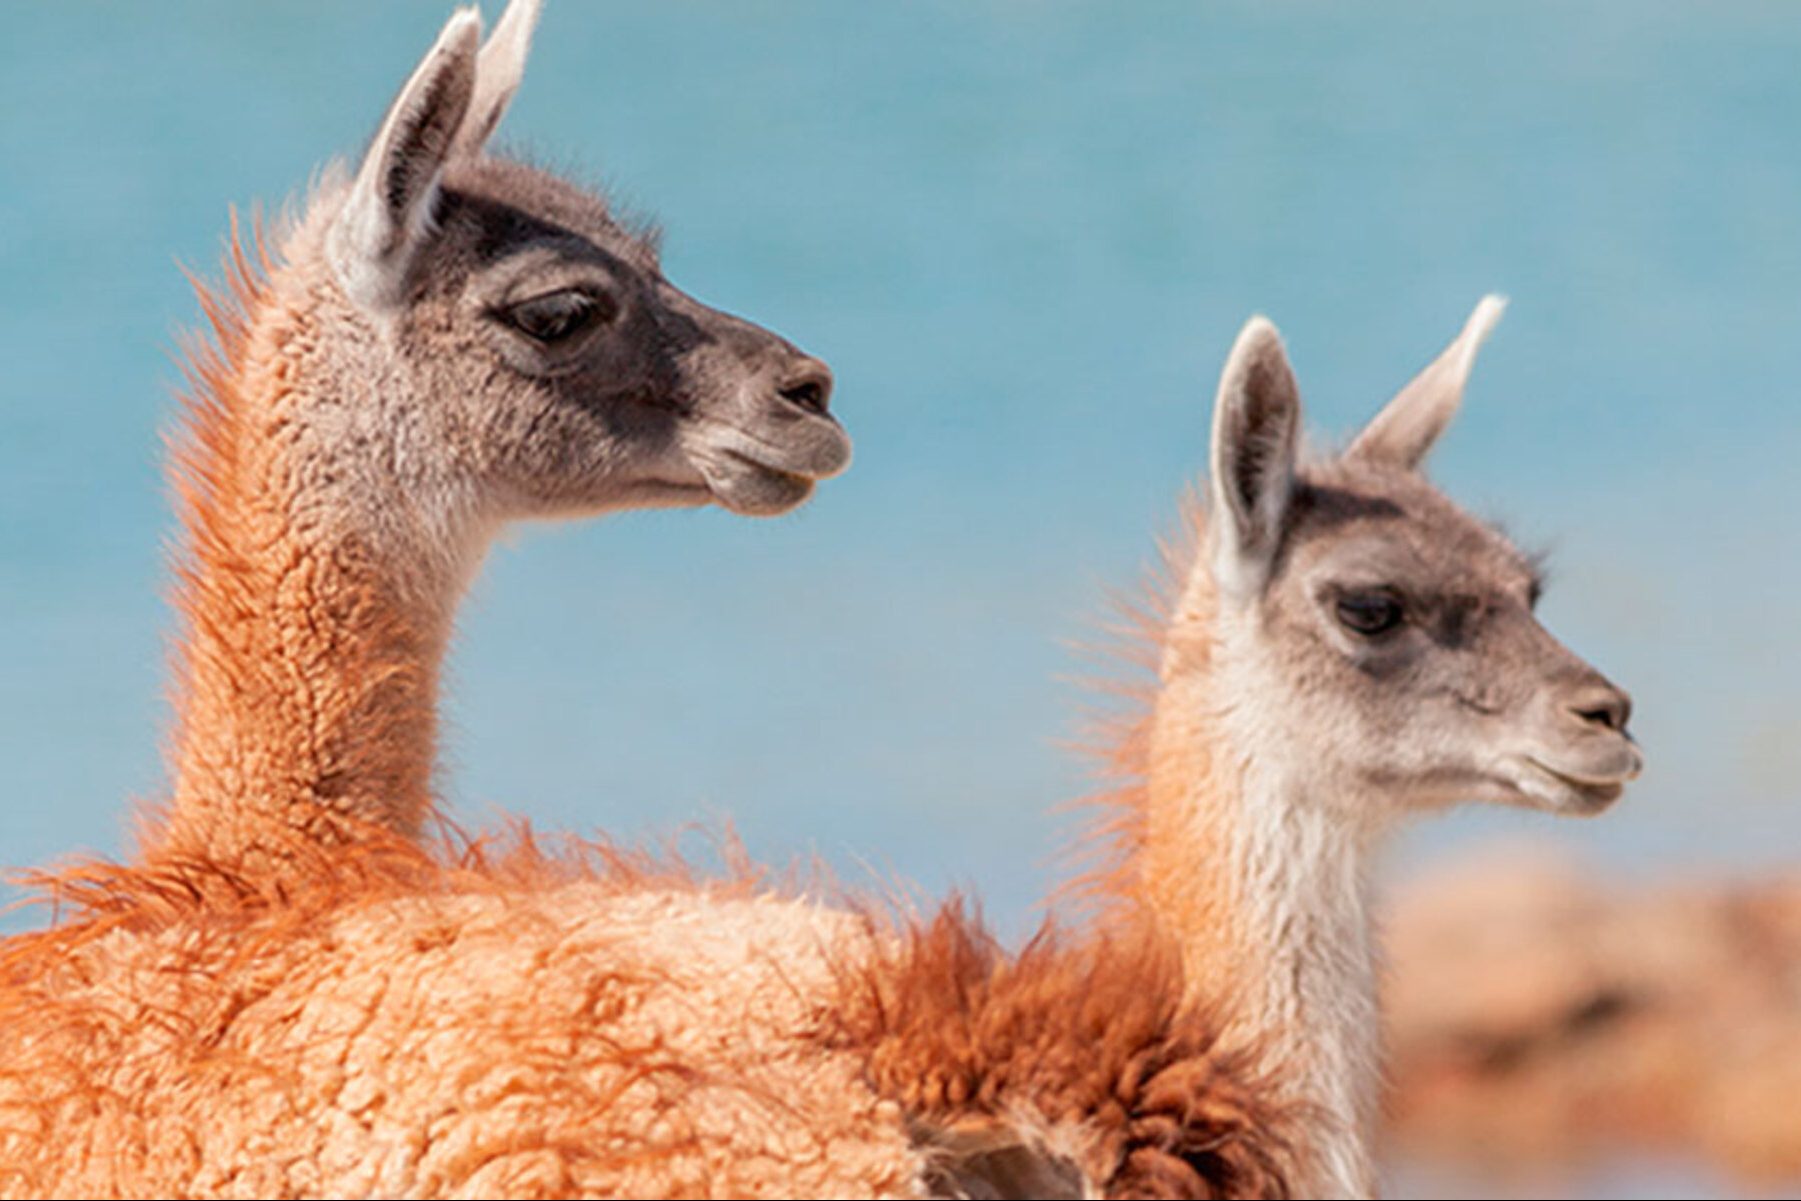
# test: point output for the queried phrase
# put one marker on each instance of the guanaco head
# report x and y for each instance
(518, 349)
(1371, 634)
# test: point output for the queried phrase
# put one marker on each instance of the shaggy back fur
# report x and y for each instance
(1071, 1065)
(517, 1025)
(591, 1024)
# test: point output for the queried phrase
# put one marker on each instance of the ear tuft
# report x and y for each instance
(498, 72)
(388, 211)
(1408, 425)
(1256, 432)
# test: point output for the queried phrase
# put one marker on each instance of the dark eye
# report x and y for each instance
(1369, 613)
(559, 316)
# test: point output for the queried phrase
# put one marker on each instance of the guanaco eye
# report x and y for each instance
(1369, 613)
(559, 316)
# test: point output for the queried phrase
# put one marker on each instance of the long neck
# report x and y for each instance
(1264, 887)
(317, 610)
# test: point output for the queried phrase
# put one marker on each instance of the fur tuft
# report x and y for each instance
(1106, 850)
(1075, 1048)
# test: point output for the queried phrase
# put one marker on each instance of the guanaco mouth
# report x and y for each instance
(1593, 793)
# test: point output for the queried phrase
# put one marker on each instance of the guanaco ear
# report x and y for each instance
(1256, 425)
(1408, 425)
(388, 212)
(497, 74)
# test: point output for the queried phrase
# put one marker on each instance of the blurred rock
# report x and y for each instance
(1540, 1014)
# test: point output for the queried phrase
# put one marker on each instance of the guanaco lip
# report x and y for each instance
(767, 468)
(1593, 791)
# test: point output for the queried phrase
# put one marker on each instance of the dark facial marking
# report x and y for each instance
(505, 229)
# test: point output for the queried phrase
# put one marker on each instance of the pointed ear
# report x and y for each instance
(1408, 425)
(388, 212)
(497, 73)
(1256, 426)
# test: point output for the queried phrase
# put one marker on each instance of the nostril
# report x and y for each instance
(1600, 716)
(810, 389)
(810, 395)
(1608, 707)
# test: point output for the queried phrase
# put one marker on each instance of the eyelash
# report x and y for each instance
(558, 316)
(1370, 613)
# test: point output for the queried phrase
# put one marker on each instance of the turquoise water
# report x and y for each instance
(1024, 236)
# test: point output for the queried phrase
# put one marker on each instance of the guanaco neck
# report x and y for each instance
(1264, 887)
(317, 598)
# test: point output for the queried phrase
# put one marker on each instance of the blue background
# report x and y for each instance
(1024, 236)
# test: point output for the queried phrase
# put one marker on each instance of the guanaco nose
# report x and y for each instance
(807, 385)
(1602, 704)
